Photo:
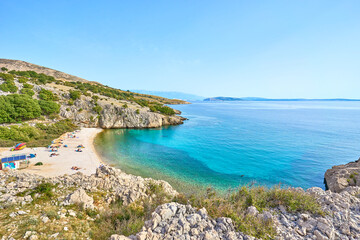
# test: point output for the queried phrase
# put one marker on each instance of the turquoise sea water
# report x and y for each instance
(234, 143)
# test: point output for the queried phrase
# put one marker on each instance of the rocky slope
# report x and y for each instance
(342, 176)
(342, 221)
(98, 105)
(18, 65)
(25, 212)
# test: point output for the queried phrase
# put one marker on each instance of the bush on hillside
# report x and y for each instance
(162, 109)
(39, 78)
(15, 108)
(8, 85)
(22, 80)
(47, 95)
(29, 86)
(40, 135)
(22, 133)
(49, 107)
(27, 91)
(97, 109)
(75, 95)
(6, 77)
(58, 127)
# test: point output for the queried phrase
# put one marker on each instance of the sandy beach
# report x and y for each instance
(87, 160)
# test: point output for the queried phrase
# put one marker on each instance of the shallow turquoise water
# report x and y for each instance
(234, 143)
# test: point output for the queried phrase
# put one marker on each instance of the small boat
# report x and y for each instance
(19, 146)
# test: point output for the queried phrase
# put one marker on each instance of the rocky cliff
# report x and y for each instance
(116, 116)
(342, 176)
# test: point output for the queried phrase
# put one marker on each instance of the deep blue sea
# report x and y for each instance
(227, 144)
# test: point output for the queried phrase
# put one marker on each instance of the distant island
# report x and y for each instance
(231, 99)
(172, 95)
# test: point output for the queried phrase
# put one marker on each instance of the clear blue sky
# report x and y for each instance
(279, 49)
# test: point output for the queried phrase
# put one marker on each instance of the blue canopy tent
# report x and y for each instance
(14, 161)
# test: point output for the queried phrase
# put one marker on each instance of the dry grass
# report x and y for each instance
(235, 203)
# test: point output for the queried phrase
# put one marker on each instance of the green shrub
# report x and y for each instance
(45, 189)
(58, 128)
(8, 85)
(29, 86)
(75, 95)
(40, 135)
(22, 80)
(49, 107)
(52, 214)
(47, 95)
(4, 69)
(38, 164)
(15, 108)
(6, 77)
(97, 109)
(137, 111)
(95, 98)
(22, 133)
(27, 91)
(162, 109)
(39, 78)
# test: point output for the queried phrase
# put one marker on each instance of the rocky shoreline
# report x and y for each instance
(341, 219)
(340, 177)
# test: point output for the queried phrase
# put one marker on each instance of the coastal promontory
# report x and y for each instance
(87, 103)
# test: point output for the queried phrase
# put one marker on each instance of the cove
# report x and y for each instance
(227, 144)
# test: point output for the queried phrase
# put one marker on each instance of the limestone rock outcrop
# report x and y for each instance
(340, 221)
(81, 198)
(342, 176)
(118, 117)
(177, 221)
(115, 116)
(119, 185)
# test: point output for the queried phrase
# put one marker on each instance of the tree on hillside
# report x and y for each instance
(15, 108)
(49, 107)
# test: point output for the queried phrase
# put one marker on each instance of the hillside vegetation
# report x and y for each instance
(29, 98)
